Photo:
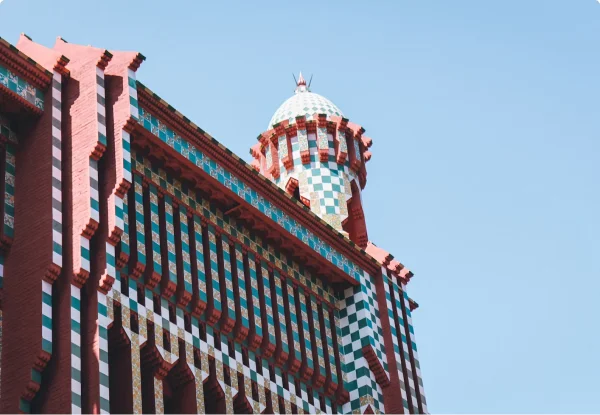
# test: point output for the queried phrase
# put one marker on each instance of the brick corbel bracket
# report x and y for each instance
(375, 365)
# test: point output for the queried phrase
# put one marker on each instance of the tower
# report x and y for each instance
(316, 154)
(145, 268)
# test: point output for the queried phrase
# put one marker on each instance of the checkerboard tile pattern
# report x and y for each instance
(101, 98)
(241, 283)
(170, 268)
(185, 250)
(326, 184)
(258, 329)
(57, 169)
(167, 135)
(201, 273)
(154, 250)
(358, 377)
(360, 327)
(397, 294)
(75, 350)
(214, 269)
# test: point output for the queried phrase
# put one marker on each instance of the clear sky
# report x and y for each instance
(484, 177)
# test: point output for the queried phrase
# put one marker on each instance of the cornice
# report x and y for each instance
(23, 65)
(246, 172)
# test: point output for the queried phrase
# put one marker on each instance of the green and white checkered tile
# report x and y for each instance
(255, 294)
(314, 316)
(170, 268)
(296, 351)
(230, 300)
(21, 87)
(133, 96)
(392, 304)
(329, 337)
(133, 109)
(57, 169)
(185, 250)
(280, 311)
(306, 329)
(94, 196)
(250, 195)
(124, 242)
(241, 280)
(417, 368)
(140, 232)
(411, 393)
(76, 380)
(202, 293)
(214, 268)
(101, 98)
(103, 322)
(268, 303)
(155, 230)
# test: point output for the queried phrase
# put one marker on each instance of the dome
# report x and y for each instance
(304, 103)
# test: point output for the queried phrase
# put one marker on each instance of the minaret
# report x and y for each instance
(317, 155)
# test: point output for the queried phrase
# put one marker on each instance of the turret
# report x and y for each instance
(317, 155)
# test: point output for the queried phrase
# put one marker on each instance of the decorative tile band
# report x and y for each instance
(21, 87)
(167, 135)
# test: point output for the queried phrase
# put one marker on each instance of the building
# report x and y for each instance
(147, 268)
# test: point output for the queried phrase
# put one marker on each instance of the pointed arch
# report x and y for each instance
(180, 388)
(119, 366)
(214, 395)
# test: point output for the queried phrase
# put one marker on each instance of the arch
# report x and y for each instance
(120, 380)
(241, 405)
(214, 395)
(180, 389)
(153, 370)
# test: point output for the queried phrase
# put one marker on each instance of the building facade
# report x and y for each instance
(144, 267)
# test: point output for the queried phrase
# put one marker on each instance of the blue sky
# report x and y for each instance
(484, 176)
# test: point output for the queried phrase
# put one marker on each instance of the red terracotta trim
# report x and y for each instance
(375, 365)
(244, 172)
(24, 65)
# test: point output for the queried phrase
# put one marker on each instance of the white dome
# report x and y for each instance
(304, 103)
